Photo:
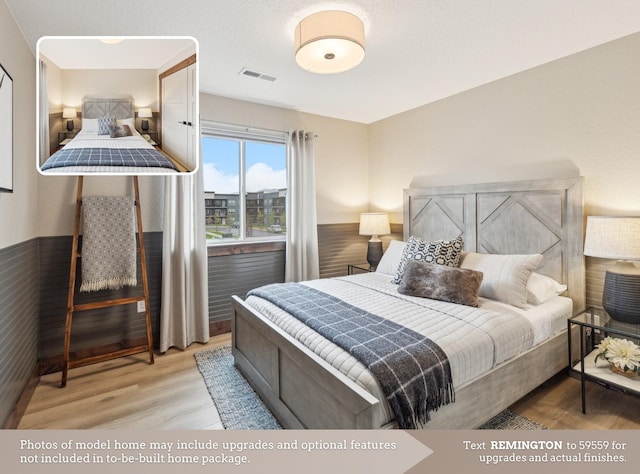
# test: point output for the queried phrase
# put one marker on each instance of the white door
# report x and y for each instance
(175, 116)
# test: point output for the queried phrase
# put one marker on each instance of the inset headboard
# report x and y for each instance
(95, 107)
(520, 217)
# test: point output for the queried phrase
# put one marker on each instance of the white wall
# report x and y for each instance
(580, 112)
(18, 210)
(141, 84)
(341, 151)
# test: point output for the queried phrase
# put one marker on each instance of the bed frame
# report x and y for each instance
(524, 217)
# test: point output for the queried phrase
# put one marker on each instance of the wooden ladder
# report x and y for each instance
(72, 307)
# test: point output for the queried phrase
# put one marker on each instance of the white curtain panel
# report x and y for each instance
(184, 316)
(43, 108)
(302, 230)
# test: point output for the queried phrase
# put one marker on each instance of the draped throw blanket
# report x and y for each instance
(140, 157)
(108, 243)
(412, 370)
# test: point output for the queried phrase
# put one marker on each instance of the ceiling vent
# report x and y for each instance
(257, 75)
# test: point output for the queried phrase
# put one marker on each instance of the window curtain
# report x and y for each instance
(184, 316)
(43, 109)
(302, 229)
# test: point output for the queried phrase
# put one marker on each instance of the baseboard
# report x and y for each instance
(13, 420)
(219, 327)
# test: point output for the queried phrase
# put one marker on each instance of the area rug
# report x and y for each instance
(240, 408)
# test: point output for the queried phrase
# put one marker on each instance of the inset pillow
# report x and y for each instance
(505, 276)
(541, 288)
(103, 124)
(441, 282)
(119, 131)
(441, 252)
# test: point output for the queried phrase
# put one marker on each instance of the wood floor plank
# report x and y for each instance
(128, 393)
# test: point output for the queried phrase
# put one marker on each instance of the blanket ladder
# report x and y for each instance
(72, 307)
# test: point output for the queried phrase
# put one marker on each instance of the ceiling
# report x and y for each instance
(418, 51)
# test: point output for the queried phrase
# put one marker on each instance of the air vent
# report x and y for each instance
(257, 75)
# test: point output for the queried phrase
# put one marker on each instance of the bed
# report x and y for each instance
(308, 383)
(113, 148)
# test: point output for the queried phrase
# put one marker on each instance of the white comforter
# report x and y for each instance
(474, 339)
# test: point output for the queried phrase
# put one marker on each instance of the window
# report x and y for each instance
(245, 184)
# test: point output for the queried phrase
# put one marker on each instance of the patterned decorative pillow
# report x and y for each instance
(118, 131)
(441, 252)
(103, 124)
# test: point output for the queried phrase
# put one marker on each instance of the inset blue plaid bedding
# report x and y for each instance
(141, 157)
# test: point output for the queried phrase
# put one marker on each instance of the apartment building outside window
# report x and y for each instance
(245, 183)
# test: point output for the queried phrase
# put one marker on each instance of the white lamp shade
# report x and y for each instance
(329, 42)
(69, 113)
(374, 223)
(145, 112)
(613, 237)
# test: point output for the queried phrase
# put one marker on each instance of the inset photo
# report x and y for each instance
(117, 105)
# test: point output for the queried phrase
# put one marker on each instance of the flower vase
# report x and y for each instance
(627, 373)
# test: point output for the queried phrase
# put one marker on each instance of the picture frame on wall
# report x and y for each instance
(6, 131)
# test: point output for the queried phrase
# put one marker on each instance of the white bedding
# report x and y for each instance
(474, 339)
(86, 139)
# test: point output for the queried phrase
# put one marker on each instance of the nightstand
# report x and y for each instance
(66, 136)
(594, 325)
(354, 269)
(152, 134)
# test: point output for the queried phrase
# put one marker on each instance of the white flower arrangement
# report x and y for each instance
(620, 353)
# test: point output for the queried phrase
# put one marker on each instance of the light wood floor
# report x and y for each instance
(129, 393)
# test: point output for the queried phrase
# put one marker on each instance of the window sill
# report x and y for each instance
(238, 248)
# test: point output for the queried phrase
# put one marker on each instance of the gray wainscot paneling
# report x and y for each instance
(96, 328)
(18, 321)
(236, 274)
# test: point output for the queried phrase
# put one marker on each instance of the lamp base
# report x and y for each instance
(69, 125)
(145, 125)
(621, 296)
(374, 253)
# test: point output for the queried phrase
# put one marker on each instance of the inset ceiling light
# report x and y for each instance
(329, 42)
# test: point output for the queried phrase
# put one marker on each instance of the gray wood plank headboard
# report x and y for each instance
(521, 217)
(119, 107)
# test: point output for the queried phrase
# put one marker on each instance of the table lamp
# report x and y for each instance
(617, 238)
(144, 112)
(69, 113)
(374, 224)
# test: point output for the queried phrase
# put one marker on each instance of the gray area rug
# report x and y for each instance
(240, 408)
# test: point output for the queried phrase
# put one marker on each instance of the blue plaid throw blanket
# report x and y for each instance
(142, 157)
(413, 371)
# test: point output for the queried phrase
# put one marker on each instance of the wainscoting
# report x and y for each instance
(18, 327)
(97, 330)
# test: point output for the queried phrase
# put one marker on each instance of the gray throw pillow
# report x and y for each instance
(441, 282)
(103, 124)
(118, 131)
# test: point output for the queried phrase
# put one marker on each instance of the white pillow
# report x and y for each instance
(505, 277)
(90, 125)
(391, 257)
(128, 121)
(541, 288)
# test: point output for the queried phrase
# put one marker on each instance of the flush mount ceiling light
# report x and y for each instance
(329, 42)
